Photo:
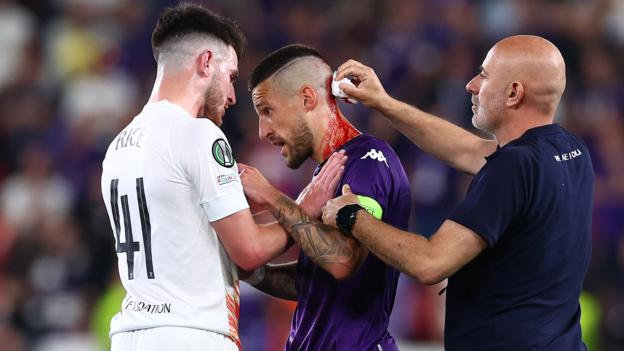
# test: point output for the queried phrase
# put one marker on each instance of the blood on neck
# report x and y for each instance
(339, 130)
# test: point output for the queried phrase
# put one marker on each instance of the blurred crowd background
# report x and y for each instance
(74, 72)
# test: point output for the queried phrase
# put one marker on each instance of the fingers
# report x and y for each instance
(303, 194)
(352, 68)
(327, 167)
(245, 169)
(349, 89)
(334, 164)
(335, 178)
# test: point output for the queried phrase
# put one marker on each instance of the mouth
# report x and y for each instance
(475, 105)
(279, 143)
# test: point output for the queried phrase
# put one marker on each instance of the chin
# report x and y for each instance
(294, 163)
(477, 123)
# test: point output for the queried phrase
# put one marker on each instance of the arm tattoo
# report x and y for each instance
(279, 281)
(322, 243)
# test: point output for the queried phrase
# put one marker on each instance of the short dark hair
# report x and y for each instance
(278, 59)
(187, 18)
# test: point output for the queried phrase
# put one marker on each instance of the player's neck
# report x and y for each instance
(168, 88)
(337, 133)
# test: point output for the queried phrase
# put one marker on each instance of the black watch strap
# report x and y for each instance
(346, 216)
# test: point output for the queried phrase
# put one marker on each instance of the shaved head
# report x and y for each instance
(519, 85)
(308, 70)
(181, 53)
(536, 63)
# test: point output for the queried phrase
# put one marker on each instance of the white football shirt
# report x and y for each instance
(165, 177)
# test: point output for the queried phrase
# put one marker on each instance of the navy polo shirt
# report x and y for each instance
(532, 204)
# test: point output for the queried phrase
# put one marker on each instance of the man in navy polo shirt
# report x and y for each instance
(516, 249)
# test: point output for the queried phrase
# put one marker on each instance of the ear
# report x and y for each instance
(310, 99)
(515, 94)
(205, 63)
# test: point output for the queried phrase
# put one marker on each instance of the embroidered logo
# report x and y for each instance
(222, 153)
(376, 155)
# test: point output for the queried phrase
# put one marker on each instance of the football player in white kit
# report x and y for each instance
(173, 194)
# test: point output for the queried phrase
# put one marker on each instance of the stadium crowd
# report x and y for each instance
(74, 72)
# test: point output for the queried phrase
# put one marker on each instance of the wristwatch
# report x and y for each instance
(346, 216)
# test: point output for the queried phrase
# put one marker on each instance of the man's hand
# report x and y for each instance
(368, 88)
(323, 186)
(332, 207)
(257, 189)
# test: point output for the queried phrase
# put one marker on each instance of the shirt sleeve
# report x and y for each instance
(370, 177)
(212, 171)
(497, 196)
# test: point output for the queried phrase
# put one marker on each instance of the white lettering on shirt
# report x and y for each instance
(568, 155)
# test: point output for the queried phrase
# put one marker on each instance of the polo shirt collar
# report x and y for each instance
(535, 132)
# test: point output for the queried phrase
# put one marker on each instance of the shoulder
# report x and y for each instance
(512, 160)
(202, 127)
(200, 132)
(371, 160)
(577, 140)
(371, 148)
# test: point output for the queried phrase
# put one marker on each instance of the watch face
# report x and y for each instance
(353, 217)
(346, 217)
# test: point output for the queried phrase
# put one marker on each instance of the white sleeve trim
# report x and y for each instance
(222, 206)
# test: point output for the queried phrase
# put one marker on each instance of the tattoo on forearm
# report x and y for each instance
(323, 244)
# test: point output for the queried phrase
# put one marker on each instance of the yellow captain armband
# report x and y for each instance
(371, 206)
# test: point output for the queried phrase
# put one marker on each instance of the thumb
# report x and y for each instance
(346, 189)
(349, 89)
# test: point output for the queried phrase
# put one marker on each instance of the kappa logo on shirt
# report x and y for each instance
(376, 155)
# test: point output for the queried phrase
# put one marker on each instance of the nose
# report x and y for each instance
(472, 87)
(231, 96)
(264, 128)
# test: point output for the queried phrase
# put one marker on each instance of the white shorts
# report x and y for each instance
(171, 338)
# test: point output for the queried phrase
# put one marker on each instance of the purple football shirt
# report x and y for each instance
(353, 314)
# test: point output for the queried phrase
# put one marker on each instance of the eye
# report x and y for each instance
(482, 75)
(264, 111)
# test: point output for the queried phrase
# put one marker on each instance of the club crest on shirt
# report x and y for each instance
(376, 155)
(222, 153)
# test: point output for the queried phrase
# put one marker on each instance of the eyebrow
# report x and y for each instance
(258, 102)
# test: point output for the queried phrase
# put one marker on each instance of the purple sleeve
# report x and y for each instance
(371, 177)
(497, 196)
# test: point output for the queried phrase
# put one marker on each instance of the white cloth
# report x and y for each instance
(171, 338)
(170, 187)
(337, 92)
